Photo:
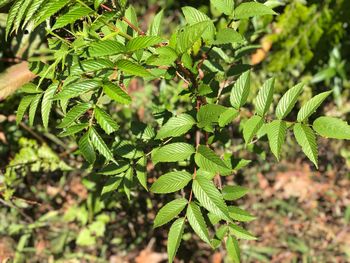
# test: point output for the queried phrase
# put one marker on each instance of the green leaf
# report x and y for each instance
(189, 35)
(142, 42)
(132, 69)
(171, 182)
(91, 65)
(33, 8)
(100, 145)
(173, 152)
(311, 106)
(48, 9)
(234, 192)
(288, 100)
(169, 212)
(193, 16)
(33, 107)
(46, 104)
(127, 182)
(224, 6)
(197, 222)
(228, 36)
(111, 185)
(86, 148)
(12, 16)
(207, 160)
(209, 114)
(141, 171)
(75, 113)
(306, 138)
(264, 98)
(155, 27)
(241, 233)
(276, 134)
(164, 56)
(77, 88)
(74, 13)
(176, 126)
(240, 90)
(330, 127)
(175, 237)
(250, 9)
(239, 214)
(210, 197)
(227, 116)
(23, 106)
(232, 249)
(116, 93)
(105, 48)
(251, 127)
(105, 121)
(73, 129)
(21, 13)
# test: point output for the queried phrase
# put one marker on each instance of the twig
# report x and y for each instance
(138, 30)
(34, 134)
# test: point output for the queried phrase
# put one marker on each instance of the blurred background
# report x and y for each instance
(303, 214)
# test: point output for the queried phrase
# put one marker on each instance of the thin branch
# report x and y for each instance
(138, 30)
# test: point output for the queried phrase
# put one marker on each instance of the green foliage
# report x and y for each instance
(195, 91)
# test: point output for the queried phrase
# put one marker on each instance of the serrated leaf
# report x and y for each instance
(73, 129)
(155, 27)
(189, 35)
(240, 215)
(12, 16)
(227, 116)
(75, 113)
(234, 192)
(116, 93)
(50, 8)
(197, 222)
(127, 182)
(276, 134)
(169, 212)
(164, 56)
(33, 107)
(173, 152)
(106, 48)
(241, 233)
(132, 69)
(330, 127)
(251, 9)
(171, 182)
(21, 13)
(33, 8)
(174, 238)
(228, 36)
(224, 6)
(115, 169)
(210, 197)
(75, 13)
(240, 90)
(91, 65)
(141, 171)
(111, 185)
(233, 250)
(23, 106)
(264, 98)
(251, 127)
(311, 106)
(193, 16)
(288, 100)
(76, 89)
(306, 138)
(46, 104)
(105, 121)
(86, 148)
(176, 126)
(208, 115)
(207, 160)
(100, 145)
(142, 42)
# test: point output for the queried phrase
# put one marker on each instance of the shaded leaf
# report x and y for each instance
(75, 113)
(105, 121)
(46, 104)
(116, 93)
(100, 145)
(207, 160)
(132, 69)
(251, 127)
(86, 148)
